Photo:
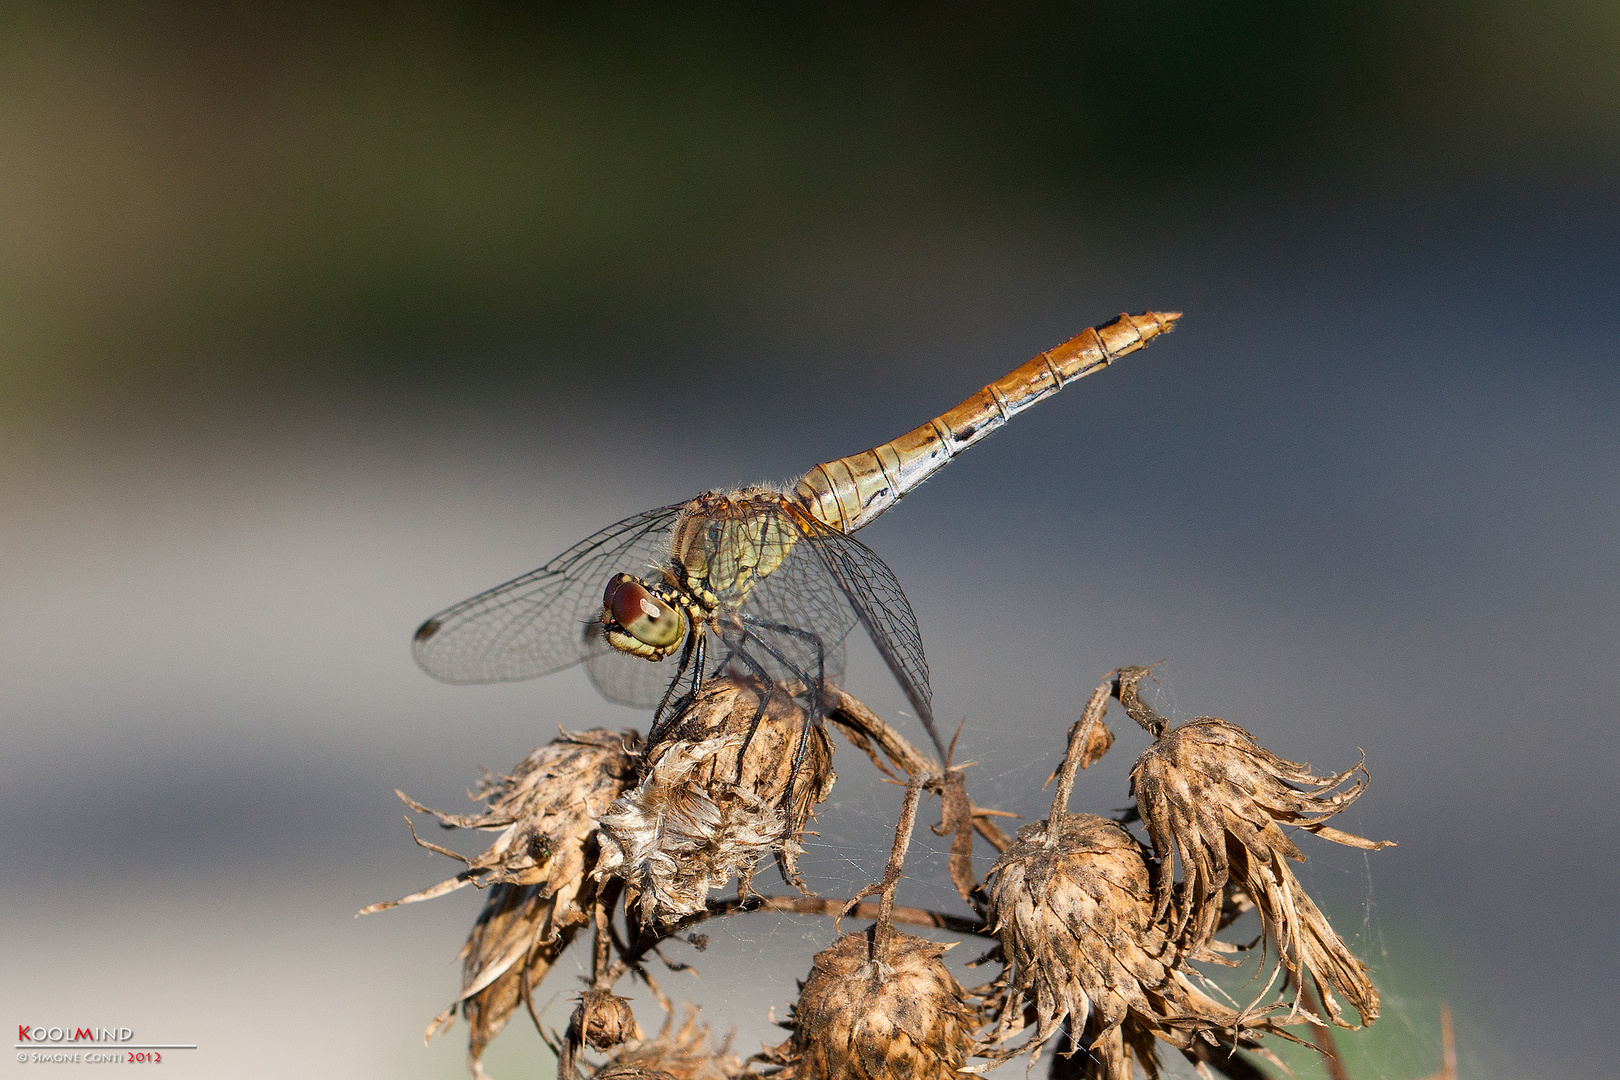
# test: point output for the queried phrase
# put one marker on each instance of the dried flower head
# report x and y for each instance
(878, 1005)
(684, 1053)
(603, 1020)
(546, 813)
(1213, 797)
(1074, 913)
(615, 1071)
(715, 798)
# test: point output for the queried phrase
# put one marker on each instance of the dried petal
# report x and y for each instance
(537, 867)
(686, 1053)
(603, 1020)
(711, 803)
(1213, 797)
(507, 954)
(879, 1005)
(1075, 917)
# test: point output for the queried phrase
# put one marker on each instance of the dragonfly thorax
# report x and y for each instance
(726, 543)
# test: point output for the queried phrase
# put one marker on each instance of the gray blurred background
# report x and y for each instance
(314, 322)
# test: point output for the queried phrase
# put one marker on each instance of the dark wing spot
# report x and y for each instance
(427, 630)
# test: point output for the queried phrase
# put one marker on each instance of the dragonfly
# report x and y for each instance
(759, 583)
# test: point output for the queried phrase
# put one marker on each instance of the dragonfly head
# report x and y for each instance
(640, 621)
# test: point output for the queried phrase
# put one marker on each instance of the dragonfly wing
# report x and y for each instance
(881, 606)
(626, 679)
(538, 623)
(792, 613)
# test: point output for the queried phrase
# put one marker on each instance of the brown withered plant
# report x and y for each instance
(687, 1052)
(1094, 932)
(714, 799)
(1213, 798)
(879, 1003)
(537, 871)
(1072, 905)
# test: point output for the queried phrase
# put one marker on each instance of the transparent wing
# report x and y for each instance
(799, 587)
(626, 679)
(797, 622)
(881, 606)
(778, 605)
(540, 623)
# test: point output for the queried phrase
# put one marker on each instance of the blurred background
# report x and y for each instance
(314, 321)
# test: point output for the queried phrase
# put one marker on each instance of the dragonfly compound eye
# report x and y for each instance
(634, 609)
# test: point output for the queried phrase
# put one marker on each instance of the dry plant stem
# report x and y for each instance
(1448, 1047)
(1126, 683)
(851, 909)
(864, 728)
(599, 952)
(897, 860)
(1322, 1035)
(1079, 738)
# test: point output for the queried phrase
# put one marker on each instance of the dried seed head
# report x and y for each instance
(615, 1071)
(536, 869)
(546, 811)
(1076, 922)
(879, 1005)
(603, 1020)
(711, 803)
(1212, 796)
(1075, 919)
(684, 1053)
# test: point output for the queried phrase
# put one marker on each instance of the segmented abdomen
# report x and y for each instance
(848, 493)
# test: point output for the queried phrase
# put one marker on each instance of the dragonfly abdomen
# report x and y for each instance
(850, 492)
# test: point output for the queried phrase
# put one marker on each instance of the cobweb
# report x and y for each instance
(746, 975)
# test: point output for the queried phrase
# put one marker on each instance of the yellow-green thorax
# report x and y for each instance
(726, 543)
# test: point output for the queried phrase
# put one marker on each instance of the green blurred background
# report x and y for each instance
(217, 192)
(316, 320)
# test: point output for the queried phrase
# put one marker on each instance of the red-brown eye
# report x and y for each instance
(642, 615)
(612, 587)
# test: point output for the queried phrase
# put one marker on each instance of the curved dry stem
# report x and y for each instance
(1075, 756)
(870, 733)
(897, 861)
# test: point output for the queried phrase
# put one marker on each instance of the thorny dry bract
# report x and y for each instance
(1095, 932)
(716, 796)
(537, 871)
(1214, 799)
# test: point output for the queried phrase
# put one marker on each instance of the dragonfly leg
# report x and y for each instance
(697, 684)
(813, 687)
(766, 691)
(661, 712)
